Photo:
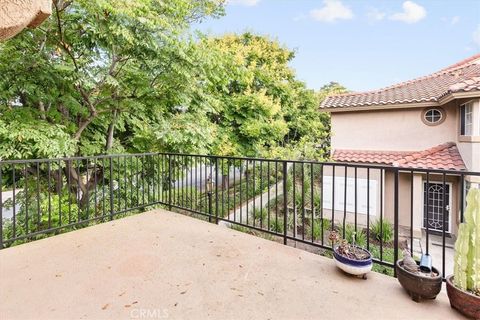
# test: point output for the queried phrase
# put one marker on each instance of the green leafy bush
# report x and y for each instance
(276, 225)
(382, 231)
(359, 236)
(260, 214)
(317, 228)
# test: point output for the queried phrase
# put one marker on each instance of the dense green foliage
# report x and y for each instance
(128, 76)
(382, 231)
(106, 76)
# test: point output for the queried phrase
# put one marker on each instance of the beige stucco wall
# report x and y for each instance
(397, 130)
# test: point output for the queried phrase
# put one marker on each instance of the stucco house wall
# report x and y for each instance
(396, 130)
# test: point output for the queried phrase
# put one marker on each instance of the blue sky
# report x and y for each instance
(361, 44)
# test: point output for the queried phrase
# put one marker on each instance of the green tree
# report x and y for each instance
(97, 73)
(265, 110)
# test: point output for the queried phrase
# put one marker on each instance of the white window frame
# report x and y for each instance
(362, 184)
(470, 120)
(468, 125)
(426, 115)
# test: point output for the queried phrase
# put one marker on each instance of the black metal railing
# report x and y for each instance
(382, 208)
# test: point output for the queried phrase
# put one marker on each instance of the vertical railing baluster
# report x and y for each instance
(427, 208)
(333, 197)
(381, 215)
(49, 195)
(60, 182)
(95, 181)
(38, 195)
(396, 199)
(254, 191)
(285, 202)
(312, 204)
(247, 174)
(294, 197)
(169, 182)
(15, 204)
(69, 190)
(345, 173)
(110, 180)
(216, 190)
(25, 168)
(411, 212)
(1, 206)
(268, 195)
(368, 208)
(276, 197)
(321, 205)
(444, 222)
(240, 201)
(103, 188)
(356, 198)
(87, 161)
(303, 201)
(261, 194)
(462, 197)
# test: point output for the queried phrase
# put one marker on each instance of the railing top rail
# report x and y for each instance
(326, 163)
(103, 156)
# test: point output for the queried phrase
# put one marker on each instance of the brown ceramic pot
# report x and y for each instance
(417, 286)
(467, 303)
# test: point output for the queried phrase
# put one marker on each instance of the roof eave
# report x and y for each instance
(459, 95)
(381, 107)
(443, 100)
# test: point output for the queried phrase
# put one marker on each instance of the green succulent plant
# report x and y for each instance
(467, 247)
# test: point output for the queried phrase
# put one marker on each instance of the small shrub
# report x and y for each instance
(350, 235)
(382, 231)
(317, 199)
(317, 228)
(276, 226)
(260, 214)
(387, 256)
(240, 228)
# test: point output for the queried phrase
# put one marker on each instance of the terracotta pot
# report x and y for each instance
(417, 286)
(467, 303)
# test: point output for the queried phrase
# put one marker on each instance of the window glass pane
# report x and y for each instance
(466, 127)
(433, 116)
(468, 120)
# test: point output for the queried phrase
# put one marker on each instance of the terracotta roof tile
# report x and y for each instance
(445, 156)
(460, 77)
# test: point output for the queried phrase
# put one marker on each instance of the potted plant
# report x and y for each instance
(463, 288)
(419, 284)
(351, 258)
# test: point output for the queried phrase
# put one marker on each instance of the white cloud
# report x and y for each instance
(375, 15)
(454, 20)
(451, 21)
(248, 3)
(412, 13)
(331, 11)
(476, 36)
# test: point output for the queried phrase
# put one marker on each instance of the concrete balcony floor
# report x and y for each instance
(160, 264)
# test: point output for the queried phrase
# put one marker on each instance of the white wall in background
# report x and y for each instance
(340, 194)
